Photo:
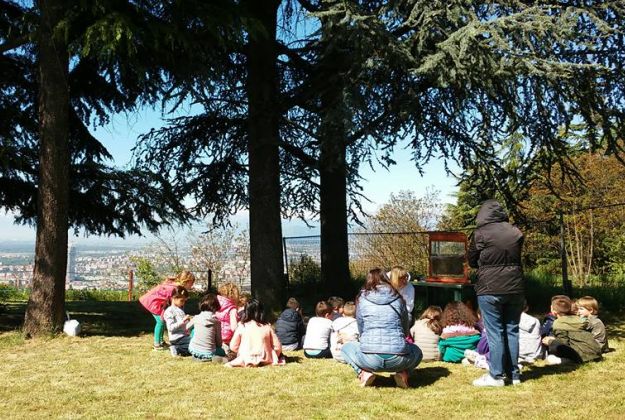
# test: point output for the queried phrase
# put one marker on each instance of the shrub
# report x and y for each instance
(8, 293)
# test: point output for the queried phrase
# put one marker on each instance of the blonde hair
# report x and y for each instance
(349, 309)
(397, 275)
(230, 290)
(589, 303)
(184, 277)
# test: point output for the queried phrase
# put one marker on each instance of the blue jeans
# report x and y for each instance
(501, 315)
(372, 362)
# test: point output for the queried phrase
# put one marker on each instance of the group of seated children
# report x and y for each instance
(571, 332)
(333, 325)
(232, 329)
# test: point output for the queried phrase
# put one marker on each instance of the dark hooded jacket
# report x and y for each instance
(495, 250)
(290, 327)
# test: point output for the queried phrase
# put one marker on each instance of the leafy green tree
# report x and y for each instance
(68, 65)
(146, 273)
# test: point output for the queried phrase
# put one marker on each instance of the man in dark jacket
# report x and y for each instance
(495, 250)
(290, 326)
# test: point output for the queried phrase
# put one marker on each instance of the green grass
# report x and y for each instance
(111, 372)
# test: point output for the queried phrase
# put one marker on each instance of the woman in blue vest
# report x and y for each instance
(383, 325)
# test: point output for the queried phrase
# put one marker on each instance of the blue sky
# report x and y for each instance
(120, 134)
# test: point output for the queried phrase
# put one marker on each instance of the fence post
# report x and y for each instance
(131, 278)
(566, 284)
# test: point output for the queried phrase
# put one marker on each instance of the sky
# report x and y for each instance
(119, 137)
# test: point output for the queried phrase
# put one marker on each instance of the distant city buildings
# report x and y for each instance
(108, 269)
(71, 263)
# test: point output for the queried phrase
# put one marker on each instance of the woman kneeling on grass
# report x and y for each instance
(383, 324)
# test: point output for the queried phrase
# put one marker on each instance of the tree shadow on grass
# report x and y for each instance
(12, 316)
(420, 378)
(117, 319)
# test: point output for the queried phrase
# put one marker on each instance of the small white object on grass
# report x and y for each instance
(71, 327)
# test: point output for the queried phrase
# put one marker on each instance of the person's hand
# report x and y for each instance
(187, 318)
(548, 340)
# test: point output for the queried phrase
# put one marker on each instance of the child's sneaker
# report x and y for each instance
(487, 380)
(553, 360)
(471, 355)
(466, 362)
(516, 382)
(401, 379)
(159, 347)
(174, 351)
(481, 362)
(366, 378)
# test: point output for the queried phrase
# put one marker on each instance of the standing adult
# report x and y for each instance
(383, 324)
(495, 250)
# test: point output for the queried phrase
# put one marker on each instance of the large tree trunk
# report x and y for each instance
(45, 310)
(333, 172)
(333, 198)
(267, 269)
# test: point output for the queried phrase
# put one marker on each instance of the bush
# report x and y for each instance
(8, 293)
(96, 295)
(146, 274)
(540, 287)
(304, 270)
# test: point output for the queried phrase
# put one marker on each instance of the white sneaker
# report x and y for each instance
(487, 380)
(553, 360)
(516, 382)
(471, 355)
(466, 362)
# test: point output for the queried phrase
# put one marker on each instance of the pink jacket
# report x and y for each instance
(256, 345)
(223, 315)
(156, 299)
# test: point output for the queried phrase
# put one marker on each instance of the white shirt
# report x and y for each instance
(407, 293)
(318, 333)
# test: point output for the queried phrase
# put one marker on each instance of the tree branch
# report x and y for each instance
(12, 44)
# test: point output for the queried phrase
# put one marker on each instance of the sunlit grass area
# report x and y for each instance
(111, 372)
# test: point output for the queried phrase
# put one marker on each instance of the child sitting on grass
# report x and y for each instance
(571, 341)
(228, 316)
(243, 299)
(317, 340)
(337, 304)
(459, 333)
(530, 346)
(344, 330)
(254, 340)
(426, 332)
(480, 357)
(547, 325)
(588, 309)
(156, 300)
(290, 327)
(176, 321)
(205, 345)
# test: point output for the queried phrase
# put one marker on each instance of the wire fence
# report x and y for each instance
(366, 250)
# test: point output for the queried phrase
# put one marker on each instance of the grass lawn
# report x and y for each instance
(111, 372)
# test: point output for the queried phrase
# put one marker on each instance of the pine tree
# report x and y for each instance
(93, 59)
